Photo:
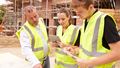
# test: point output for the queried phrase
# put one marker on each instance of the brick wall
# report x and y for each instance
(114, 13)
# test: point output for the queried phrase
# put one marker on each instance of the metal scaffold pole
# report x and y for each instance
(46, 14)
(22, 11)
(16, 27)
(31, 2)
(66, 3)
(112, 3)
(98, 4)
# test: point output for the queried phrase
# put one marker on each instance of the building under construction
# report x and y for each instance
(14, 19)
(48, 10)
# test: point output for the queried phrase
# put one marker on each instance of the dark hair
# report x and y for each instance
(84, 3)
(68, 14)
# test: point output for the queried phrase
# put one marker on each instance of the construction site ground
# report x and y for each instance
(11, 56)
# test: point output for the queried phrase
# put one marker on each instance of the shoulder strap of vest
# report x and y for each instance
(94, 40)
(74, 34)
(32, 37)
(45, 46)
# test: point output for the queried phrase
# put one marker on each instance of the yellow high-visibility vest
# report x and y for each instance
(37, 39)
(69, 37)
(91, 39)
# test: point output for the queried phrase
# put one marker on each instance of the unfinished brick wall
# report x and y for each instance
(115, 13)
(117, 17)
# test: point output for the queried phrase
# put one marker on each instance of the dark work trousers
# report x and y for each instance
(46, 63)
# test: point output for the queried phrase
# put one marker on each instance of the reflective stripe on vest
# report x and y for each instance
(94, 41)
(71, 42)
(67, 65)
(45, 45)
(73, 35)
(33, 42)
(60, 52)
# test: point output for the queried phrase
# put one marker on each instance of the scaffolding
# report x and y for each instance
(48, 10)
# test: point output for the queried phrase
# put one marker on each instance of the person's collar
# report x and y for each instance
(93, 14)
